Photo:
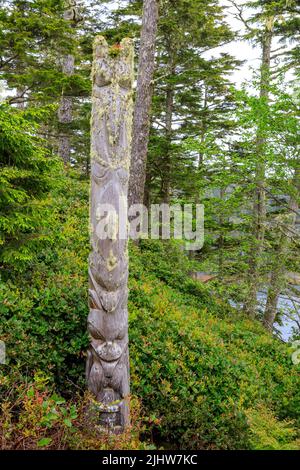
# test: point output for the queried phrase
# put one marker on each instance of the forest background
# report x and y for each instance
(226, 374)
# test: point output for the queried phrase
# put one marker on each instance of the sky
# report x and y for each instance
(240, 49)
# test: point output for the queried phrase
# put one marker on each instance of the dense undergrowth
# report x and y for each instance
(202, 375)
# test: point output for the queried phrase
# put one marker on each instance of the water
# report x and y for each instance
(289, 306)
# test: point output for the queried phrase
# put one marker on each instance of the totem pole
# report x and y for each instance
(107, 368)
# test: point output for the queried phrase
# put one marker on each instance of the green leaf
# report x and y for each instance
(57, 399)
(68, 422)
(30, 393)
(44, 442)
(73, 412)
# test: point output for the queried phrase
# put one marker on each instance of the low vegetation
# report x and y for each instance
(205, 375)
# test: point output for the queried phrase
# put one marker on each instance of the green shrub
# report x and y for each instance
(27, 175)
(198, 374)
(268, 433)
(197, 366)
(43, 312)
(41, 419)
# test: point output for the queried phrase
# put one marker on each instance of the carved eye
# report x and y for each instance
(93, 300)
(100, 336)
(95, 332)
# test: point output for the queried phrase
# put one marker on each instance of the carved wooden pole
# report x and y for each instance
(107, 367)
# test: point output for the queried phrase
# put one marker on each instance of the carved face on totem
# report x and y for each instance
(107, 362)
(110, 337)
(102, 373)
(109, 332)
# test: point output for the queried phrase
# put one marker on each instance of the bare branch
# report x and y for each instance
(239, 15)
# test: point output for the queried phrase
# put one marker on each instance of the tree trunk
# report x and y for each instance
(277, 275)
(259, 202)
(274, 291)
(221, 235)
(65, 114)
(166, 170)
(65, 108)
(146, 200)
(107, 367)
(141, 120)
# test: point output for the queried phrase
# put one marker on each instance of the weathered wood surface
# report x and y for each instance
(107, 367)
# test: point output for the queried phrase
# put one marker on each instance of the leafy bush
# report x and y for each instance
(197, 363)
(269, 433)
(43, 312)
(41, 419)
(198, 374)
(197, 366)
